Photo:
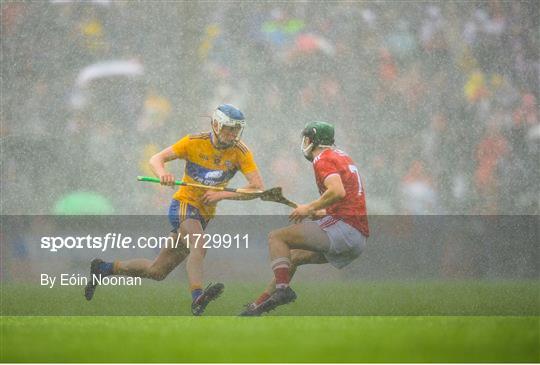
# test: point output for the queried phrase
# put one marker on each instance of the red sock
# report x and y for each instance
(282, 277)
(262, 298)
(281, 266)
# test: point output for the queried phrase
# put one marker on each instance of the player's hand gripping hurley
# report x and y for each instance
(272, 195)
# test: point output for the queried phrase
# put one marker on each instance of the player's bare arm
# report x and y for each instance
(254, 182)
(334, 193)
(157, 163)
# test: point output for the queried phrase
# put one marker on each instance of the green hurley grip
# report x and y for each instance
(156, 180)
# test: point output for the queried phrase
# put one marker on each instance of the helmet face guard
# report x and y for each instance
(306, 147)
(316, 134)
(227, 116)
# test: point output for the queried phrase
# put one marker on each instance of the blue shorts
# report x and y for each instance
(180, 211)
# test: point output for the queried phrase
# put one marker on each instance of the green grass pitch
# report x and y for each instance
(387, 322)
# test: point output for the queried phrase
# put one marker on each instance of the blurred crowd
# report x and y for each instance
(437, 102)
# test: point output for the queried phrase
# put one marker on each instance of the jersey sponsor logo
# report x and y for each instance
(216, 174)
(207, 176)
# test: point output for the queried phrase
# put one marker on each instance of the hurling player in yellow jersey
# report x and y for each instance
(211, 158)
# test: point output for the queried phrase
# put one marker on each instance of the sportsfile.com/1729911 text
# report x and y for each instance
(118, 240)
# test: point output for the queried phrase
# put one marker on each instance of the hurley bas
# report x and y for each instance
(80, 280)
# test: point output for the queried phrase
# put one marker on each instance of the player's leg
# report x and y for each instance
(192, 230)
(157, 269)
(339, 242)
(298, 257)
(307, 236)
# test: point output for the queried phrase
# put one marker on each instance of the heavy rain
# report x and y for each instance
(436, 103)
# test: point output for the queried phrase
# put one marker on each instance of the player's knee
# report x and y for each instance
(274, 236)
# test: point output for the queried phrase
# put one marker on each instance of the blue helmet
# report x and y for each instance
(229, 116)
(231, 113)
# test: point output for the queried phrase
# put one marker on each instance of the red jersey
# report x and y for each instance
(352, 208)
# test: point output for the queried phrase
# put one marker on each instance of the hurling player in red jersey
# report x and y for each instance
(337, 238)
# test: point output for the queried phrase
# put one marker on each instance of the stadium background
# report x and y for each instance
(436, 102)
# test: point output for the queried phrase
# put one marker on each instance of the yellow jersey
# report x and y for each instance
(207, 165)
